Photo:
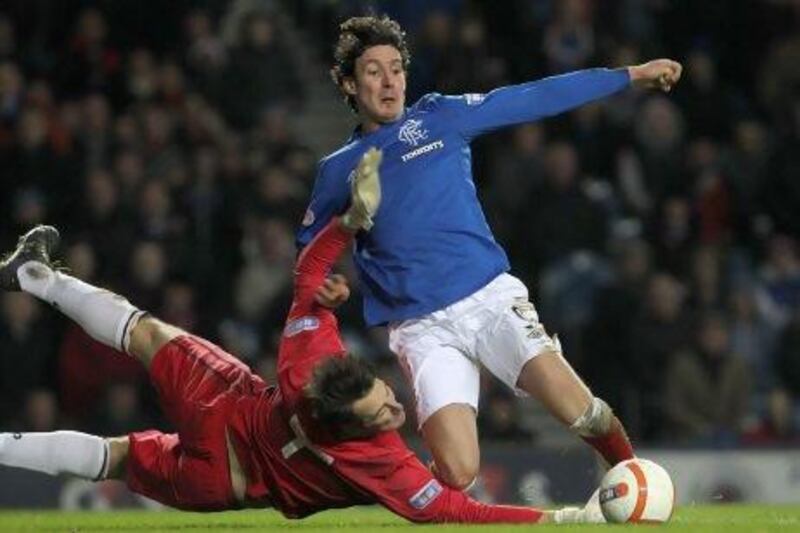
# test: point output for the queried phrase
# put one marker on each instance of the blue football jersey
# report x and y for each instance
(430, 245)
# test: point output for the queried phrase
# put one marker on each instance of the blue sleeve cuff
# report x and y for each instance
(626, 72)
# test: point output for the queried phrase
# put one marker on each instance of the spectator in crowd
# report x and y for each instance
(707, 286)
(707, 388)
(653, 167)
(746, 164)
(610, 352)
(779, 192)
(8, 43)
(27, 346)
(660, 330)
(148, 272)
(502, 419)
(776, 426)
(205, 53)
(268, 268)
(120, 413)
(434, 42)
(788, 357)
(40, 412)
(561, 217)
(753, 338)
(472, 63)
(259, 74)
(672, 234)
(12, 92)
(569, 40)
(707, 105)
(107, 224)
(779, 280)
(518, 173)
(91, 63)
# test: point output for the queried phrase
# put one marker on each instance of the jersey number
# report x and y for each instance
(301, 441)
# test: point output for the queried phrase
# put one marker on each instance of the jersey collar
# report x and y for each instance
(358, 134)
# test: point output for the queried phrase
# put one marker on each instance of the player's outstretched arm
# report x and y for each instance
(527, 102)
(401, 483)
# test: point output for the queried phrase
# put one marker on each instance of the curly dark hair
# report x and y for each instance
(356, 34)
(335, 385)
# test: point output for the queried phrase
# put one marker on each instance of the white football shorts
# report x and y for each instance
(441, 352)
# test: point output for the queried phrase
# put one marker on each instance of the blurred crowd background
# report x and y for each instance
(658, 233)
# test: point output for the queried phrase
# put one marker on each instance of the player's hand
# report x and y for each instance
(660, 74)
(365, 192)
(334, 292)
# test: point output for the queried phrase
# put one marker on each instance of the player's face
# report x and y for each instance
(379, 409)
(379, 86)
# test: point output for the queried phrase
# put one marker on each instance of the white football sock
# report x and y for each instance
(105, 316)
(59, 452)
(569, 515)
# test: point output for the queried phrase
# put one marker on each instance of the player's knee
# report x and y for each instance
(150, 335)
(458, 473)
(596, 420)
(117, 457)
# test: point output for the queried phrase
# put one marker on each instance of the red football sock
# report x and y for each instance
(614, 446)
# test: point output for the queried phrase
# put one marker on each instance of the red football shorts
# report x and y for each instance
(198, 384)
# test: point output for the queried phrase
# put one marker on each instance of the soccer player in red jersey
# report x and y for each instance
(324, 438)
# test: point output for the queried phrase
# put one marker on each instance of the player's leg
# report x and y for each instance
(451, 434)
(446, 386)
(550, 379)
(521, 354)
(160, 467)
(57, 453)
(118, 449)
(198, 385)
(153, 464)
(105, 316)
(149, 336)
(181, 377)
(546, 377)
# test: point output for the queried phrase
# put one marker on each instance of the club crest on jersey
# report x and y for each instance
(426, 495)
(306, 323)
(412, 132)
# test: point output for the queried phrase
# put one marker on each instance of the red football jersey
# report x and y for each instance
(292, 465)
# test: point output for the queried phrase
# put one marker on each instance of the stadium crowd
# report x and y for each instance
(659, 233)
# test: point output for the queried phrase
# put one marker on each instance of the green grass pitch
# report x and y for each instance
(723, 518)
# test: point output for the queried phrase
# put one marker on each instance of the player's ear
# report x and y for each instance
(349, 86)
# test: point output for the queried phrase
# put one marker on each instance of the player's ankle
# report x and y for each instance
(568, 515)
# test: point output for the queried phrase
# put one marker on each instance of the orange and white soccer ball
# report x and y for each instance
(637, 490)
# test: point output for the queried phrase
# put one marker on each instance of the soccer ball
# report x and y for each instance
(637, 490)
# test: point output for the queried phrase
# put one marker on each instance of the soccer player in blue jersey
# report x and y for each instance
(430, 268)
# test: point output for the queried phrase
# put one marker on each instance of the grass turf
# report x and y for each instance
(723, 518)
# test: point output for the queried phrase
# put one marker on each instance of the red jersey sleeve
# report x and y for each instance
(312, 331)
(390, 473)
(314, 263)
